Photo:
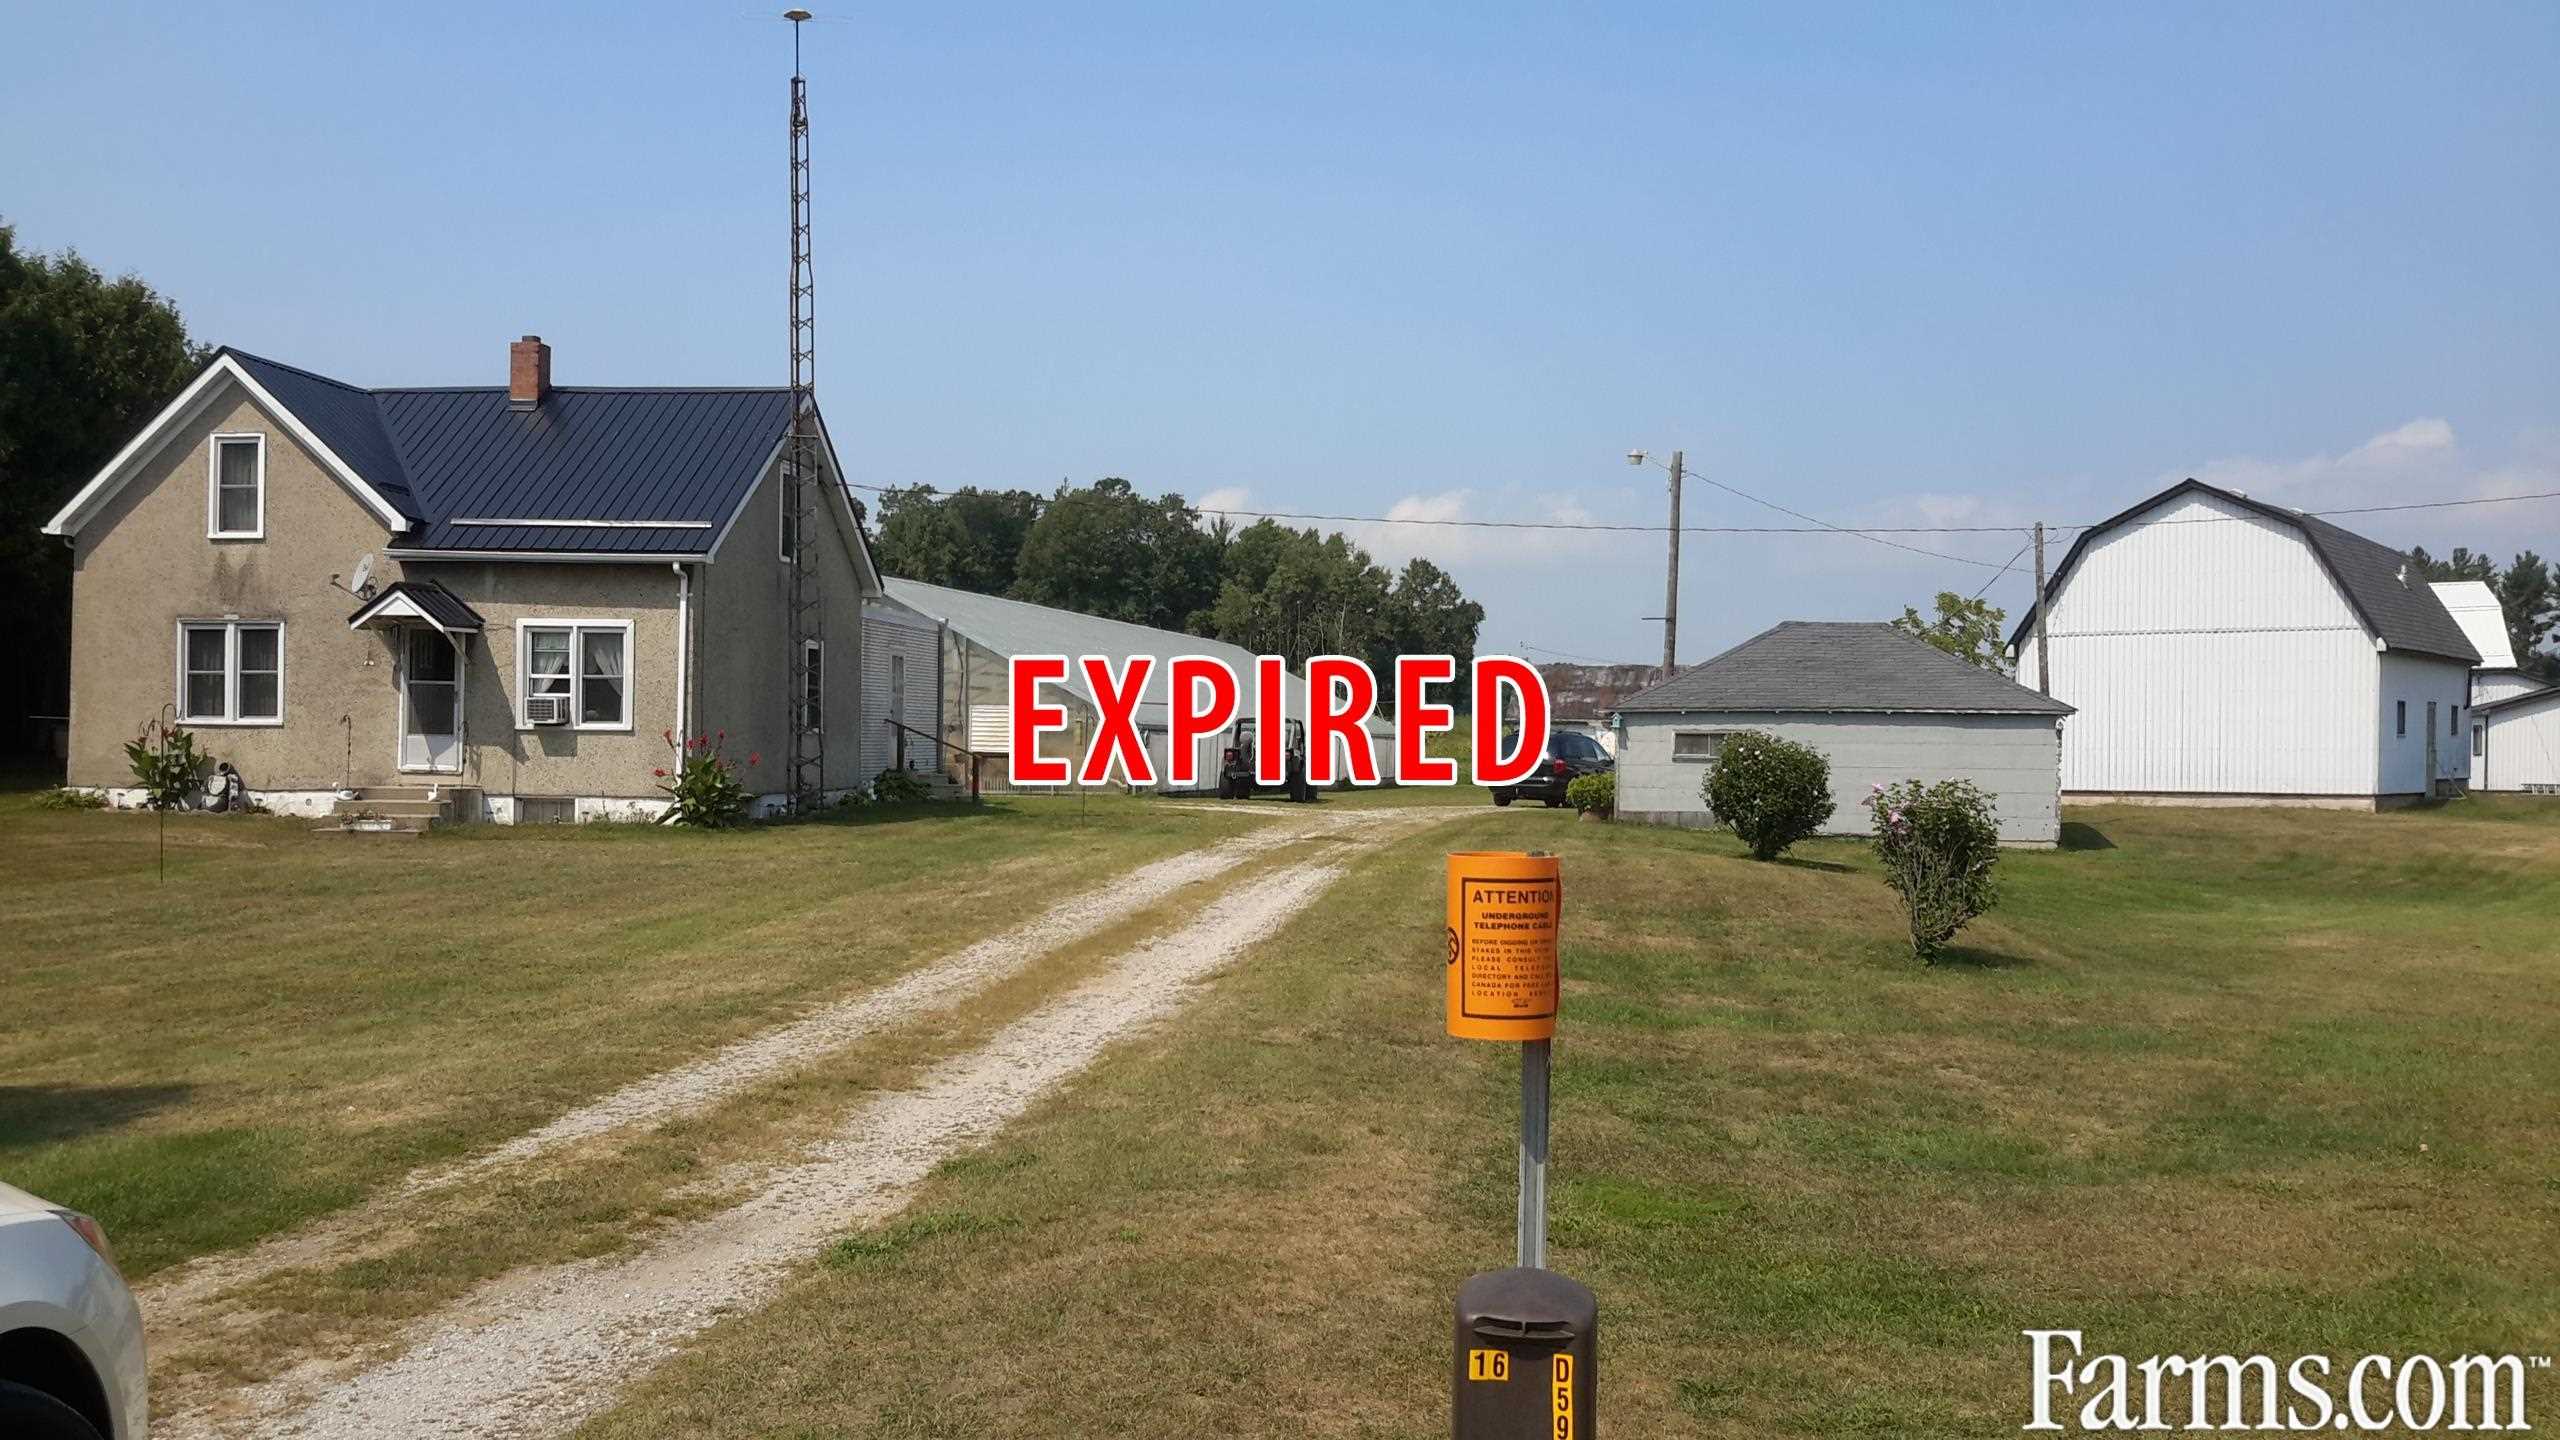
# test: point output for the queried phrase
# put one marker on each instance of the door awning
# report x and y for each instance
(423, 601)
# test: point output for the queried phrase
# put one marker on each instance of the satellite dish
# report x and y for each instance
(361, 581)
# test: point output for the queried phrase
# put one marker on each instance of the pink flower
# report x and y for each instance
(755, 757)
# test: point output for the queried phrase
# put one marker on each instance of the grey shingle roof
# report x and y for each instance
(670, 465)
(1834, 666)
(2395, 603)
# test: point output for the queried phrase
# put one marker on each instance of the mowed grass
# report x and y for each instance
(2208, 1081)
(290, 1020)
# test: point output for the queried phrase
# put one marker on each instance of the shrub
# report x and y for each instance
(703, 790)
(1938, 843)
(1772, 792)
(167, 765)
(898, 787)
(70, 799)
(1594, 793)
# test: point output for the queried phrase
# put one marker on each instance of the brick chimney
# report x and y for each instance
(528, 373)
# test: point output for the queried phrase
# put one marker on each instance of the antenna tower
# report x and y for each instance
(800, 476)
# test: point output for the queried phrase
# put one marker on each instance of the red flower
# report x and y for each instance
(755, 757)
(660, 773)
(724, 734)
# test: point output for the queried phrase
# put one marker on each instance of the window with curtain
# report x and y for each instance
(1695, 744)
(588, 663)
(231, 672)
(239, 485)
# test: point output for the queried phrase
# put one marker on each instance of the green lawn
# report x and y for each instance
(289, 1020)
(2206, 1081)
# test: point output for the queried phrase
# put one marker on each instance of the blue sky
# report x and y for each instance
(1885, 265)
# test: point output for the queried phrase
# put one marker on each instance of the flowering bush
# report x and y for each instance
(702, 789)
(1594, 792)
(1772, 792)
(167, 765)
(898, 787)
(1938, 843)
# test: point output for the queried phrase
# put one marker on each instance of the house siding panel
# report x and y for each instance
(888, 632)
(2520, 747)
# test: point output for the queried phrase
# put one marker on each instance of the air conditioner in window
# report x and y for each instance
(546, 709)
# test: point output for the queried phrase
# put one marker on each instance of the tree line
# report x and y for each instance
(1106, 549)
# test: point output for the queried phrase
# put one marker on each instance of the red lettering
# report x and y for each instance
(1417, 720)
(1117, 732)
(1493, 675)
(1270, 720)
(1329, 676)
(1190, 723)
(1033, 718)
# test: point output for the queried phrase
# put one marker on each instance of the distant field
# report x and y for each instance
(2207, 1081)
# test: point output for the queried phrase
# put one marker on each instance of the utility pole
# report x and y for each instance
(2044, 647)
(1671, 582)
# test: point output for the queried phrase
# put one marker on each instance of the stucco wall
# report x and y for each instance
(742, 639)
(2016, 758)
(144, 563)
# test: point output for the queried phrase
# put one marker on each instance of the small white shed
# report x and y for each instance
(901, 683)
(1879, 705)
(2515, 743)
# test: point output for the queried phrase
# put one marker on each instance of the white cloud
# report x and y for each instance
(1452, 546)
(2418, 462)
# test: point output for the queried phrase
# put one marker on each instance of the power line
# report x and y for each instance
(1841, 529)
(2004, 569)
(1818, 528)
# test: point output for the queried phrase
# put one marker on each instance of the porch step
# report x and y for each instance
(406, 808)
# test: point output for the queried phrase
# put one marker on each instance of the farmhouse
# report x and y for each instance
(1879, 705)
(979, 634)
(2222, 650)
(456, 603)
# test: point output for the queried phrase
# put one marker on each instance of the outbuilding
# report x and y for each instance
(1880, 705)
(980, 634)
(2515, 743)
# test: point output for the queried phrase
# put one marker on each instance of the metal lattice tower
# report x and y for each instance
(800, 476)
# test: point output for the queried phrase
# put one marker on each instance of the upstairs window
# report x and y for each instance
(231, 672)
(790, 517)
(236, 498)
(2403, 716)
(2453, 721)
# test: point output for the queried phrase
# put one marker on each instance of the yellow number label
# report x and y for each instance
(1561, 1392)
(1488, 1364)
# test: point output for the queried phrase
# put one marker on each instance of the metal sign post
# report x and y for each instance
(1525, 1357)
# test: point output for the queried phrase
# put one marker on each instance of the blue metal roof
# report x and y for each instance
(666, 467)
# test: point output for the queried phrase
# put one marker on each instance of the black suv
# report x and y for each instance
(1570, 756)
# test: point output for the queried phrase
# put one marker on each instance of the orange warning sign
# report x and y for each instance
(1503, 910)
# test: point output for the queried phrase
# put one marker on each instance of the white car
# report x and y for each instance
(70, 1334)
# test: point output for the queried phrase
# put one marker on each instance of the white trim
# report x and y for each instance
(231, 626)
(543, 557)
(213, 485)
(127, 462)
(595, 524)
(684, 639)
(577, 673)
(400, 706)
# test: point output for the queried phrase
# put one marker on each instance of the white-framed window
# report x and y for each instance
(790, 527)
(587, 660)
(231, 672)
(813, 684)
(1698, 746)
(235, 501)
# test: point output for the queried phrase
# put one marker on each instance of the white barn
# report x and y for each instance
(2222, 650)
(1881, 706)
(2474, 607)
